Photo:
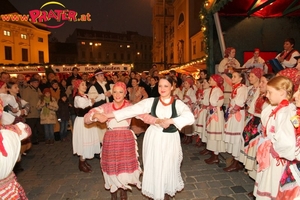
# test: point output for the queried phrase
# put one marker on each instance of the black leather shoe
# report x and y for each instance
(97, 155)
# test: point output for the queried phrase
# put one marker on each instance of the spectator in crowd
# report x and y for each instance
(152, 89)
(22, 84)
(32, 95)
(74, 75)
(4, 76)
(48, 107)
(63, 116)
(85, 77)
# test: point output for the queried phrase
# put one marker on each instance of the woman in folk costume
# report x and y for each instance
(201, 117)
(24, 108)
(290, 180)
(189, 98)
(10, 105)
(162, 153)
(252, 130)
(10, 144)
(119, 157)
(85, 137)
(235, 120)
(215, 120)
(226, 68)
(277, 144)
(253, 90)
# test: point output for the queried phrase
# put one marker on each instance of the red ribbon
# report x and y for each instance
(2, 149)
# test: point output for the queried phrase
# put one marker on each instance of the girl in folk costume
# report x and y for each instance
(119, 157)
(48, 107)
(278, 142)
(226, 68)
(189, 98)
(253, 90)
(252, 130)
(290, 179)
(215, 120)
(201, 117)
(85, 137)
(10, 145)
(235, 120)
(162, 153)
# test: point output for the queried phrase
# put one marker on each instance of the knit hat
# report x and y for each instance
(219, 80)
(258, 72)
(46, 90)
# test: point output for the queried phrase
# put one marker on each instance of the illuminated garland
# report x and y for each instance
(209, 9)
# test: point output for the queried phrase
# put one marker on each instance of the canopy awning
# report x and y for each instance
(261, 8)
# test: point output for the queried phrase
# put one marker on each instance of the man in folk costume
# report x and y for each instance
(10, 144)
(101, 92)
(287, 56)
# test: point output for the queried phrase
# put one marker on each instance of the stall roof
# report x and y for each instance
(261, 8)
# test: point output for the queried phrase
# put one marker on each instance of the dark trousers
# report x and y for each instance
(36, 129)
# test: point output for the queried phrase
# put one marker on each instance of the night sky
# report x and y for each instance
(107, 15)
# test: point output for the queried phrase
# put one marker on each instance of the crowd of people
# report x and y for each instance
(245, 111)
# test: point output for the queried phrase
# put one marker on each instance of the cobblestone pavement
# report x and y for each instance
(51, 173)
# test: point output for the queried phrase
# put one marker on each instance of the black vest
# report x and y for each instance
(172, 128)
(101, 91)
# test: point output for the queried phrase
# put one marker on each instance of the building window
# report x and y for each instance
(41, 57)
(107, 56)
(23, 36)
(115, 56)
(24, 55)
(128, 56)
(99, 55)
(122, 56)
(6, 33)
(194, 48)
(83, 54)
(91, 55)
(40, 39)
(8, 52)
(83, 43)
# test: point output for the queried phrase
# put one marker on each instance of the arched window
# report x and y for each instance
(181, 19)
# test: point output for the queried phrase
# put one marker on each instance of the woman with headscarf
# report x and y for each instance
(189, 98)
(225, 68)
(215, 120)
(119, 157)
(235, 120)
(85, 138)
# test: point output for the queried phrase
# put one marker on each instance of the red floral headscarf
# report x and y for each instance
(76, 84)
(219, 80)
(292, 74)
(258, 72)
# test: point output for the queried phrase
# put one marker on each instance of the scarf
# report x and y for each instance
(46, 110)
